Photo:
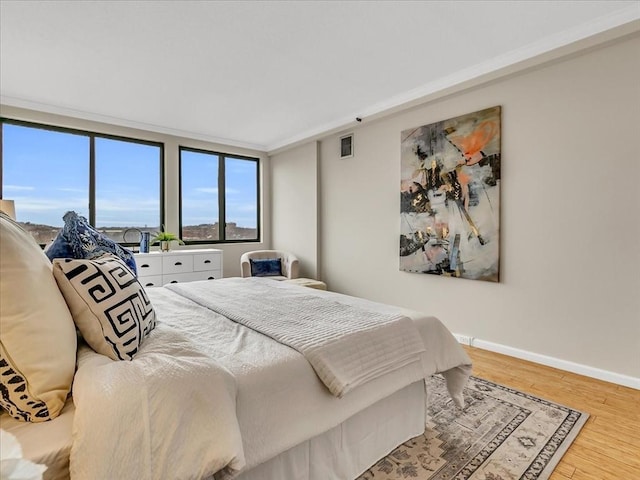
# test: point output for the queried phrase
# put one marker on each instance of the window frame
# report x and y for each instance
(222, 219)
(92, 135)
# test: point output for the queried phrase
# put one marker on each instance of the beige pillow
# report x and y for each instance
(37, 335)
(108, 304)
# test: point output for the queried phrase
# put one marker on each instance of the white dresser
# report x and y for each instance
(159, 268)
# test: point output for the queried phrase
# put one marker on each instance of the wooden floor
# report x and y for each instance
(608, 447)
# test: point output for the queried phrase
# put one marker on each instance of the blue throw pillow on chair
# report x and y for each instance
(268, 267)
(78, 239)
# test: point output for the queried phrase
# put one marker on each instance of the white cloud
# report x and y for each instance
(17, 188)
(34, 204)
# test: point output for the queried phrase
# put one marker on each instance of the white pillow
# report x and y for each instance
(38, 338)
(108, 304)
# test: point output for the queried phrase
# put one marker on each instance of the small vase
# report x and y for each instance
(164, 246)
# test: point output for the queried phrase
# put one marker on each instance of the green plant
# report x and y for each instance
(163, 236)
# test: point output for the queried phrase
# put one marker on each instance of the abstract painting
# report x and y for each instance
(450, 197)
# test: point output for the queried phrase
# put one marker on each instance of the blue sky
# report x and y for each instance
(47, 174)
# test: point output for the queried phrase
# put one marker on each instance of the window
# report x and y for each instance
(114, 182)
(127, 185)
(218, 189)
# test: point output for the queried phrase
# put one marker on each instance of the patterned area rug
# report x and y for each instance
(501, 434)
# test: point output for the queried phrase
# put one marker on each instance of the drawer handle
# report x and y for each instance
(144, 265)
(149, 284)
(177, 263)
(173, 281)
(207, 261)
(211, 278)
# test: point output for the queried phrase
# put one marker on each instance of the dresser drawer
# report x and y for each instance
(177, 264)
(148, 265)
(159, 268)
(151, 281)
(207, 261)
(208, 275)
(191, 277)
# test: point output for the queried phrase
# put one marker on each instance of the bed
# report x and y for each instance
(233, 378)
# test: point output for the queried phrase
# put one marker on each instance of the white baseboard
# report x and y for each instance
(578, 368)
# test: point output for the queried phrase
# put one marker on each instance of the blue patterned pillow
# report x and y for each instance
(78, 239)
(268, 267)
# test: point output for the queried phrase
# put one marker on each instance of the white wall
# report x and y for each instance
(294, 203)
(233, 251)
(570, 224)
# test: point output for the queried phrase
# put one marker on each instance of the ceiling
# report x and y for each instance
(266, 74)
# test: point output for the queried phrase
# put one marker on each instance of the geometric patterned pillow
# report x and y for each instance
(108, 304)
(78, 239)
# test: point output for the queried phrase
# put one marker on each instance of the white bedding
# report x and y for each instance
(170, 413)
(182, 394)
(346, 345)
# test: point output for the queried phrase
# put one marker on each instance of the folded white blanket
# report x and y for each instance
(347, 346)
(168, 413)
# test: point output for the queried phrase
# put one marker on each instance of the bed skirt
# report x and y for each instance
(349, 449)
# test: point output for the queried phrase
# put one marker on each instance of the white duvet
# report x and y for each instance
(346, 345)
(205, 394)
(170, 413)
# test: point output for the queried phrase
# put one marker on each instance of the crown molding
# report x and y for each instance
(592, 34)
(27, 104)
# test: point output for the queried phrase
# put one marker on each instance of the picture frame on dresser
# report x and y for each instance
(176, 266)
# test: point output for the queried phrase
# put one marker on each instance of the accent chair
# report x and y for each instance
(289, 265)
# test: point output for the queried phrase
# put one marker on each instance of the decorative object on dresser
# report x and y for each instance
(165, 239)
(159, 268)
(144, 238)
